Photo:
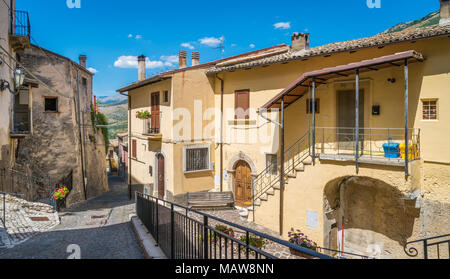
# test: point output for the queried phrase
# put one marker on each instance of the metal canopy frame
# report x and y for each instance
(302, 86)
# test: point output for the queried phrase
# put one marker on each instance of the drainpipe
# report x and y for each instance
(221, 131)
(282, 182)
(129, 143)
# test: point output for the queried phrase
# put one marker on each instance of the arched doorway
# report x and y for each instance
(160, 175)
(243, 184)
(367, 216)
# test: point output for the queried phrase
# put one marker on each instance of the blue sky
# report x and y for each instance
(106, 30)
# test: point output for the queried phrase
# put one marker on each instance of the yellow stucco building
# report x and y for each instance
(348, 182)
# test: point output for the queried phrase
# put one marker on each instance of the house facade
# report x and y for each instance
(345, 141)
(370, 201)
(53, 128)
(14, 31)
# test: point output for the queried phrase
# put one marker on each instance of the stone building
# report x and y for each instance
(60, 138)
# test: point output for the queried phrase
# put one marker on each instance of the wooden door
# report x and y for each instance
(161, 178)
(346, 120)
(243, 184)
(155, 112)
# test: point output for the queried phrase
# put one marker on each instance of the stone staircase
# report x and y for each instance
(297, 158)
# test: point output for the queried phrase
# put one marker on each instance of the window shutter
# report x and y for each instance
(242, 104)
(134, 151)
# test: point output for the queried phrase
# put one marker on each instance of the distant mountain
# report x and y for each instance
(431, 19)
(115, 108)
(111, 99)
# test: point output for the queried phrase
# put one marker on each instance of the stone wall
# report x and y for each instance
(53, 148)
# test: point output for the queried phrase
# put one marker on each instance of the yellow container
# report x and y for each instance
(413, 152)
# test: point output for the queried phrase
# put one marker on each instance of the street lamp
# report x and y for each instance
(19, 78)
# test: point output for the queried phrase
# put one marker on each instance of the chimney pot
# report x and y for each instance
(445, 12)
(182, 55)
(83, 59)
(195, 58)
(141, 67)
(300, 41)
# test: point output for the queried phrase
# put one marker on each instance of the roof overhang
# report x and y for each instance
(300, 87)
(142, 83)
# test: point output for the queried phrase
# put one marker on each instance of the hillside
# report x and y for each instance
(431, 19)
(115, 108)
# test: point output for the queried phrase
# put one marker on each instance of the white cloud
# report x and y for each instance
(210, 41)
(138, 37)
(130, 35)
(131, 62)
(187, 45)
(252, 46)
(233, 45)
(282, 25)
(171, 59)
(92, 70)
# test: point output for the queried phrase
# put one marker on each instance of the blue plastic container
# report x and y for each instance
(391, 150)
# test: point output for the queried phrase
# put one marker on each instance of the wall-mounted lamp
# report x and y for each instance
(391, 80)
(19, 78)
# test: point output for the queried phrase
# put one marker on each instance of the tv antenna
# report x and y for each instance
(222, 45)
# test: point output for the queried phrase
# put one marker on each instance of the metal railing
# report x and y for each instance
(152, 124)
(183, 233)
(3, 207)
(342, 141)
(294, 156)
(437, 242)
(20, 24)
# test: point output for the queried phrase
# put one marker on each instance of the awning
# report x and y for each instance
(300, 87)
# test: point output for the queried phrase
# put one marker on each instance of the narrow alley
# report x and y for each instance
(100, 227)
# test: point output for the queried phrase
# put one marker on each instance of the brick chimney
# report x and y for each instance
(300, 41)
(141, 67)
(445, 12)
(83, 59)
(195, 58)
(182, 56)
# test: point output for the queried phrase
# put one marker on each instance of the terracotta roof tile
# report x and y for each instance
(374, 41)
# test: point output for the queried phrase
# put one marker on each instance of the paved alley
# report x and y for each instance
(100, 227)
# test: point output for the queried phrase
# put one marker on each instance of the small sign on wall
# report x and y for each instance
(312, 219)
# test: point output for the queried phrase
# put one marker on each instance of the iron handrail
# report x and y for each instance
(258, 183)
(20, 24)
(205, 225)
(413, 252)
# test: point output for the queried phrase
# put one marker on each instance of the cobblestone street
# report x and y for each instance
(100, 227)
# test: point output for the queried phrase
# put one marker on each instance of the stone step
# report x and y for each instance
(251, 208)
(291, 175)
(264, 197)
(300, 168)
(307, 161)
(271, 192)
(258, 203)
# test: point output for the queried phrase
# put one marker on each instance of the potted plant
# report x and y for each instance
(300, 239)
(61, 192)
(143, 115)
(255, 241)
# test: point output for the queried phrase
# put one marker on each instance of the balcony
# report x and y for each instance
(152, 126)
(20, 30)
(383, 146)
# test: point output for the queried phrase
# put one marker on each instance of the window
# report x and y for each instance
(196, 158)
(51, 104)
(166, 96)
(133, 149)
(309, 106)
(429, 109)
(242, 104)
(84, 81)
(272, 163)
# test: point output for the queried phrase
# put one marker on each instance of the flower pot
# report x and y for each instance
(300, 254)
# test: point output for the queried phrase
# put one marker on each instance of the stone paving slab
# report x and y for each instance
(109, 235)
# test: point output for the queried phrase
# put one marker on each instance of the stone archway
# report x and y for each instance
(231, 169)
(367, 216)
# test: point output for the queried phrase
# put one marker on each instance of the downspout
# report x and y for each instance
(129, 143)
(221, 131)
